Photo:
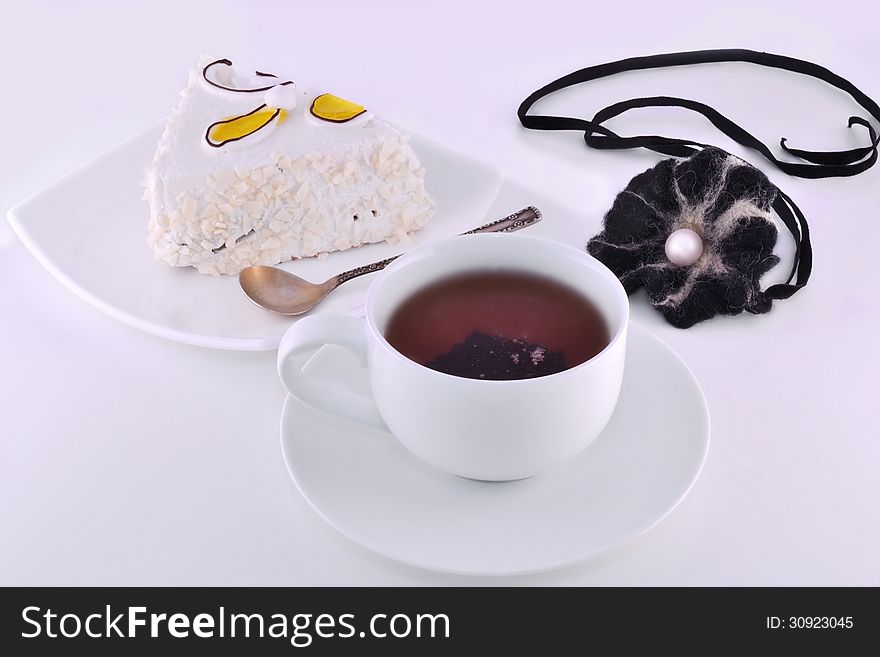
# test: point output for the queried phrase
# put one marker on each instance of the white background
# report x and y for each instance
(126, 459)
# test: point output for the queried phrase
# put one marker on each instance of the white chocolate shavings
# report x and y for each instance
(367, 191)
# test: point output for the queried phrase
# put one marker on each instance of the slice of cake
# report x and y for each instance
(253, 169)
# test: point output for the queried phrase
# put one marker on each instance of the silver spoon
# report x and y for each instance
(285, 293)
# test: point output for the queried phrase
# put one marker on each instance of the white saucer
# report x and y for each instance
(374, 491)
(89, 229)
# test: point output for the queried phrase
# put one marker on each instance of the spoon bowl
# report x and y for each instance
(280, 291)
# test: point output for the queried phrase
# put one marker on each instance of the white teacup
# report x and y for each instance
(481, 429)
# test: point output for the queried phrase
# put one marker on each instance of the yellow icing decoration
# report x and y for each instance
(237, 127)
(335, 109)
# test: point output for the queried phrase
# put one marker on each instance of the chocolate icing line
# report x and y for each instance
(317, 116)
(227, 62)
(235, 118)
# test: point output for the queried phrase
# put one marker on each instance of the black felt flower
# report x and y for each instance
(723, 199)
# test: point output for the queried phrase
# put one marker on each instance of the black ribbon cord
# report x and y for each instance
(816, 164)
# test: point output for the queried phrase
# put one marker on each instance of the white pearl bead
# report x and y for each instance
(684, 247)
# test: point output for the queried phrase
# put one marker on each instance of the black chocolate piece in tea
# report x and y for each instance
(495, 357)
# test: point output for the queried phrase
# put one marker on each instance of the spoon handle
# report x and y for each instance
(516, 221)
(360, 271)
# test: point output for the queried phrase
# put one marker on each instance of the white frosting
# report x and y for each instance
(281, 96)
(303, 188)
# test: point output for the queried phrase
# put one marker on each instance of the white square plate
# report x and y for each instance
(89, 229)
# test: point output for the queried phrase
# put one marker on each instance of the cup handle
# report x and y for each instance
(298, 344)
